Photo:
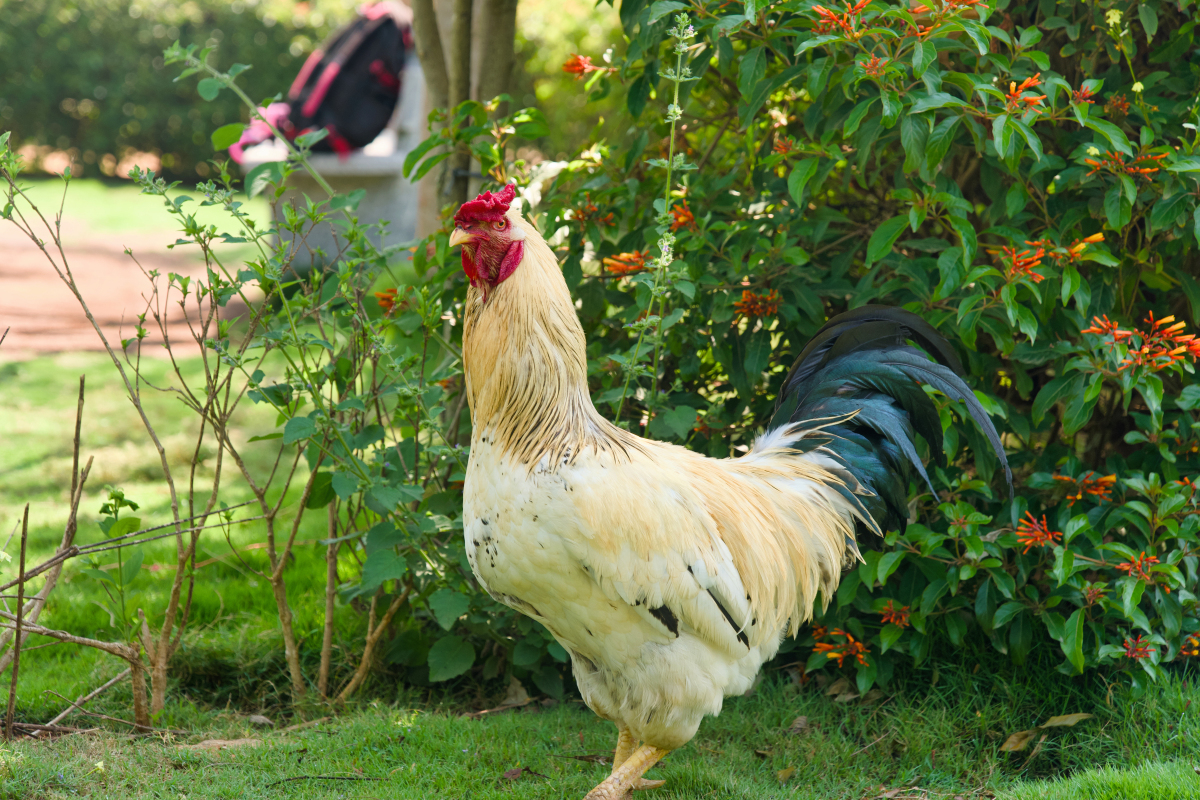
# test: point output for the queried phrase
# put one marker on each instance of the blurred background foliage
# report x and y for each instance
(85, 77)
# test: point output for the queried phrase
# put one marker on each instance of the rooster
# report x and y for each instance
(670, 577)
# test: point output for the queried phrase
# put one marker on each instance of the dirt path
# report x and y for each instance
(43, 316)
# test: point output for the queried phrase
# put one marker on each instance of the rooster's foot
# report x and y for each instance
(628, 776)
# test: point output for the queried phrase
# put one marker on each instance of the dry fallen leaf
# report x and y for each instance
(516, 695)
(873, 696)
(799, 727)
(1018, 741)
(785, 773)
(846, 697)
(764, 753)
(1065, 721)
(515, 774)
(840, 686)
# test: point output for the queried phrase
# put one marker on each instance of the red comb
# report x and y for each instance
(487, 207)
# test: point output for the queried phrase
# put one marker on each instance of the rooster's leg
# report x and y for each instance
(628, 776)
(626, 744)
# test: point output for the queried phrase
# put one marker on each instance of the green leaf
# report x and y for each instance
(1117, 208)
(549, 681)
(449, 658)
(889, 636)
(98, 575)
(979, 35)
(816, 41)
(924, 55)
(526, 653)
(1149, 19)
(447, 606)
(1030, 137)
(260, 178)
(1185, 164)
(681, 420)
(856, 117)
(891, 107)
(131, 566)
(124, 526)
(1111, 132)
(884, 237)
(1061, 387)
(347, 201)
(1005, 613)
(209, 88)
(382, 565)
(1072, 641)
(937, 100)
(298, 428)
(663, 7)
(226, 135)
(799, 178)
(751, 70)
(321, 494)
(968, 240)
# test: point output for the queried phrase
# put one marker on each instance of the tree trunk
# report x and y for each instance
(460, 91)
(496, 69)
(430, 52)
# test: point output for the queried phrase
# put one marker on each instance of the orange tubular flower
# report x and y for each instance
(579, 66)
(1032, 533)
(1098, 487)
(784, 145)
(895, 616)
(1016, 97)
(683, 216)
(1083, 95)
(843, 650)
(387, 300)
(874, 67)
(1136, 649)
(1117, 106)
(1138, 567)
(819, 632)
(757, 305)
(1093, 594)
(1022, 264)
(1190, 646)
(626, 263)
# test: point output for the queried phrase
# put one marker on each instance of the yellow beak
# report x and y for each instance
(459, 236)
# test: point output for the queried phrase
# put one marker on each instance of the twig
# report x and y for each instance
(89, 696)
(145, 728)
(869, 746)
(323, 778)
(16, 664)
(4, 335)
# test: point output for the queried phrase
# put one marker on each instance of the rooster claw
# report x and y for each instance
(645, 783)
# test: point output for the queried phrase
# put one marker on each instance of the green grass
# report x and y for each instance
(943, 740)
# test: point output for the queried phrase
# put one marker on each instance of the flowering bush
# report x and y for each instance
(1025, 177)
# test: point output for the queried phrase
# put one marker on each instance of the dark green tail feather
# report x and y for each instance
(860, 370)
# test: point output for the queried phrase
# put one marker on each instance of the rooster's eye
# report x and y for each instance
(500, 224)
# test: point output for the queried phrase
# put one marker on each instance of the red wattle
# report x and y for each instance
(512, 257)
(468, 265)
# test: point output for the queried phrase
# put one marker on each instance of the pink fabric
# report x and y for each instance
(258, 131)
(396, 10)
(318, 93)
(309, 65)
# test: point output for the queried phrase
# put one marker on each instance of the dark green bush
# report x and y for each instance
(88, 76)
(1026, 179)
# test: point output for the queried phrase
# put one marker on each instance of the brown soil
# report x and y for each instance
(43, 316)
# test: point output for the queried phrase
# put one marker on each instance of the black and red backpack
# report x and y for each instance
(350, 85)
